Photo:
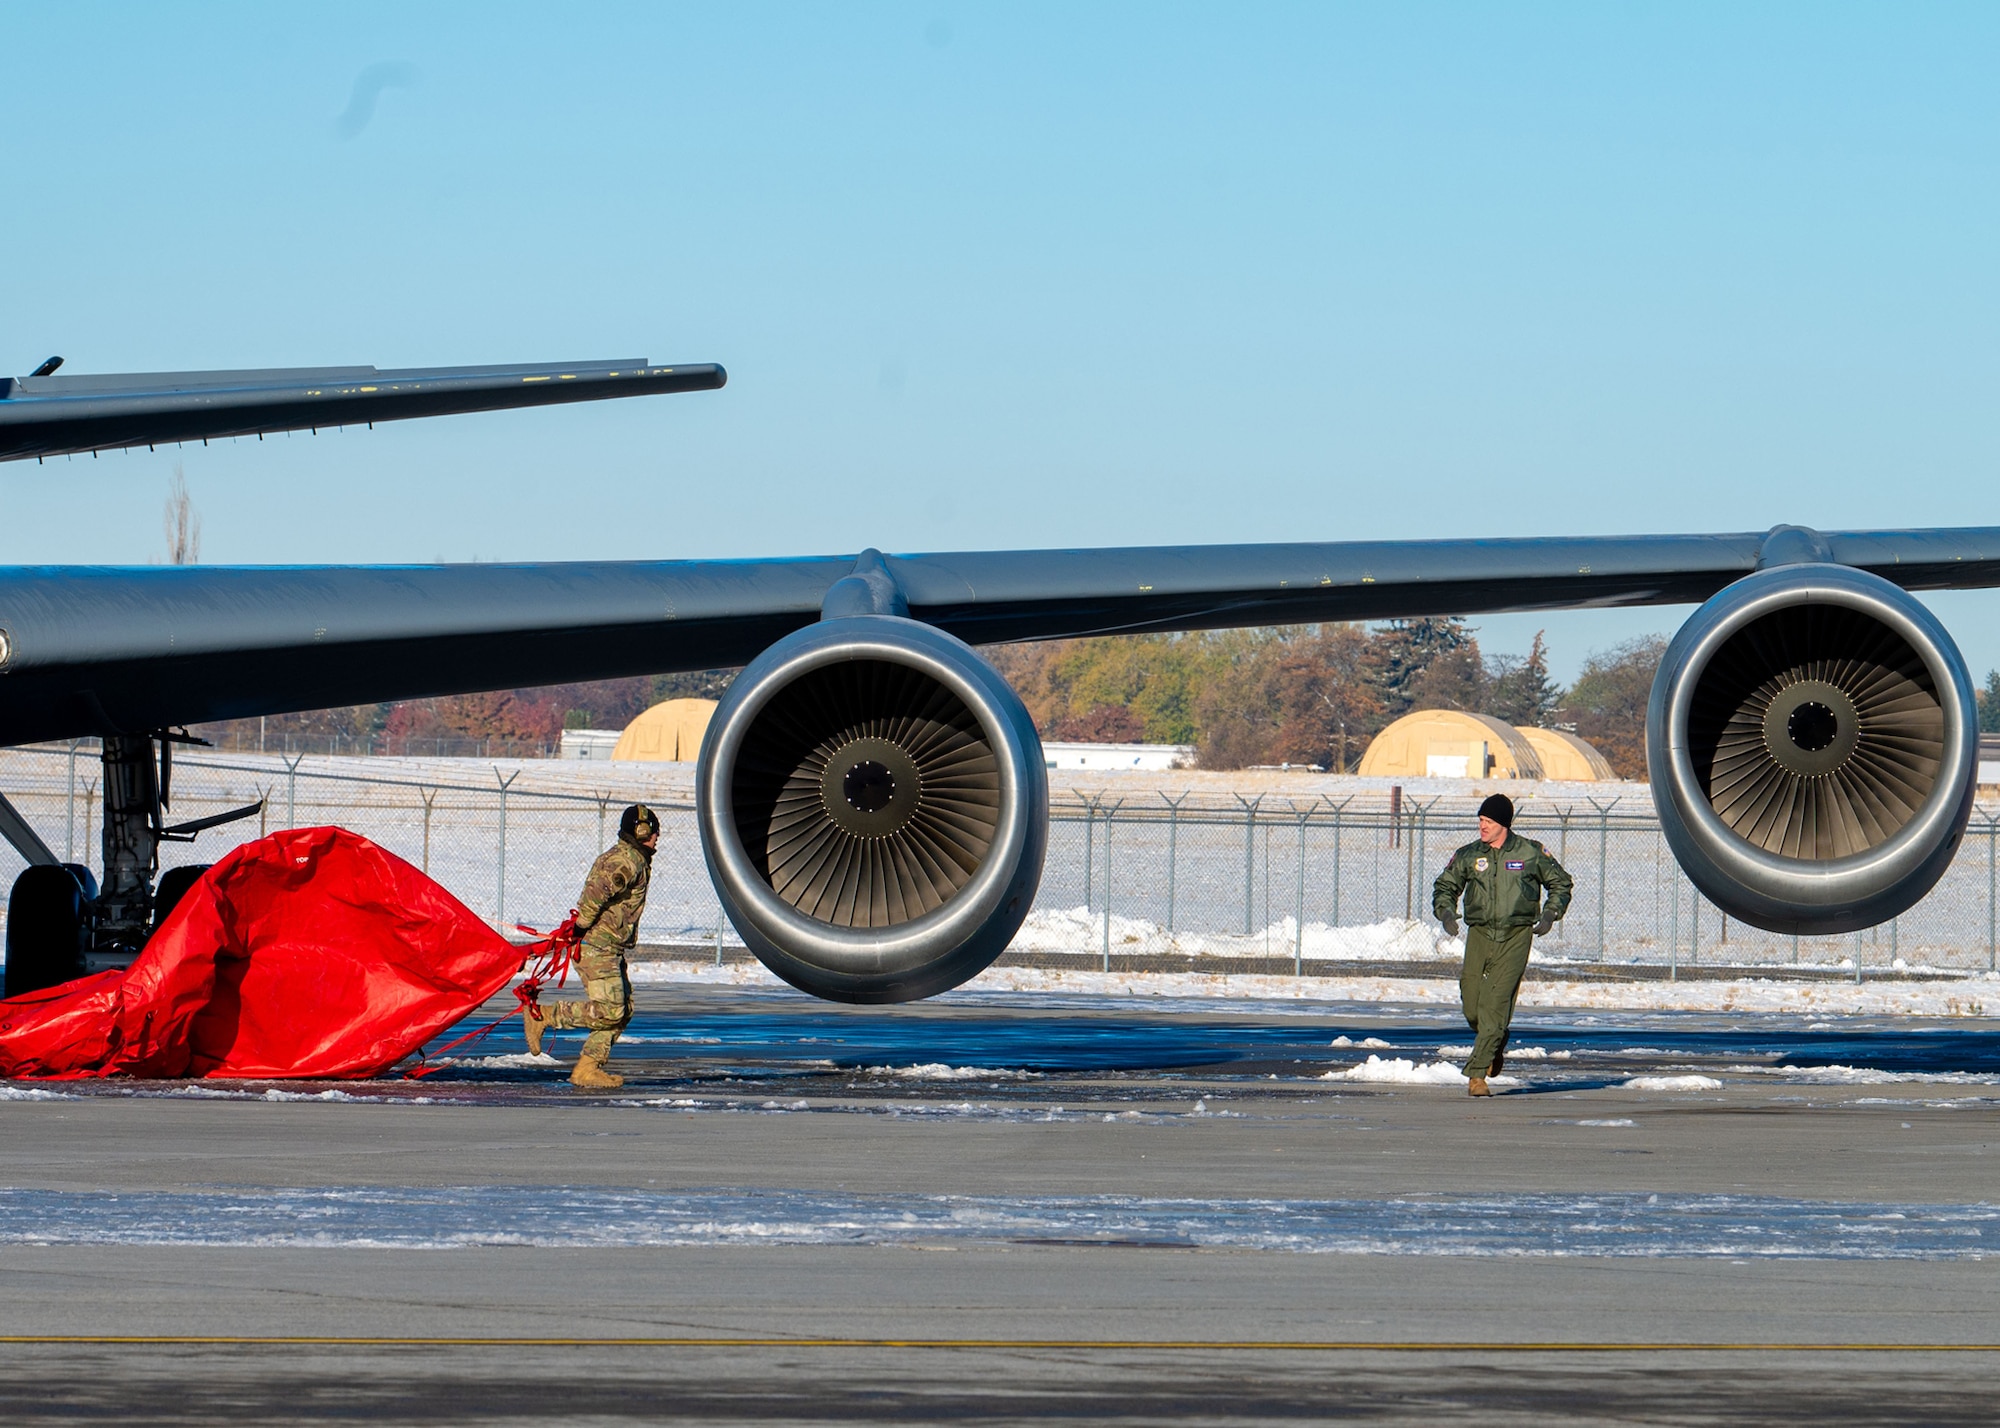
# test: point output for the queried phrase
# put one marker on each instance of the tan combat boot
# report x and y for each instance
(532, 1027)
(590, 1075)
(1476, 1086)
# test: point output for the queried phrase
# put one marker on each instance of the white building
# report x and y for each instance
(590, 743)
(1118, 756)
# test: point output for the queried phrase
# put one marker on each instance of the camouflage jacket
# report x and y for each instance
(1502, 886)
(614, 897)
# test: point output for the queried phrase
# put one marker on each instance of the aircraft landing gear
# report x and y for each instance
(60, 925)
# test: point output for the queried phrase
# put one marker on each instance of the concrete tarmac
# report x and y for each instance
(1012, 1328)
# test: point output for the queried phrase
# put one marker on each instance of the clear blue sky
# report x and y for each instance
(1028, 275)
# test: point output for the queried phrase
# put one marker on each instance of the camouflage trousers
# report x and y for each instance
(607, 1006)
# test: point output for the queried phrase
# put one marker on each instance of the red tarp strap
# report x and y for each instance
(557, 951)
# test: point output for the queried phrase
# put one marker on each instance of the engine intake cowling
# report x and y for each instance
(1811, 741)
(873, 809)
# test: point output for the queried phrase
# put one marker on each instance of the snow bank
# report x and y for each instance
(1079, 929)
(1400, 1070)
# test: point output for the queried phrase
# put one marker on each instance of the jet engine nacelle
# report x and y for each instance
(1812, 744)
(873, 809)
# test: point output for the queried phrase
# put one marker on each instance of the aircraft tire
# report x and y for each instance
(173, 886)
(48, 917)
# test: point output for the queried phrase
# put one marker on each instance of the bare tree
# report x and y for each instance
(182, 522)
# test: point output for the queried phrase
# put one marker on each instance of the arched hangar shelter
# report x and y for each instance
(669, 732)
(1565, 757)
(1444, 743)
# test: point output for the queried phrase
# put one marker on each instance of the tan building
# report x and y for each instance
(669, 732)
(1444, 743)
(1565, 757)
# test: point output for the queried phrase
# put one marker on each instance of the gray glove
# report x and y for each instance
(1450, 921)
(1543, 927)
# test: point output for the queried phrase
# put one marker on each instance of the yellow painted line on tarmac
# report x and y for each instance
(1425, 1346)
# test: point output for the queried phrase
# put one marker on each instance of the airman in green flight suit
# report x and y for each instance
(1502, 879)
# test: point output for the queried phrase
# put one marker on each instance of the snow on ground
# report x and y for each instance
(1973, 997)
(1673, 1083)
(1401, 1071)
(1863, 1075)
(938, 1071)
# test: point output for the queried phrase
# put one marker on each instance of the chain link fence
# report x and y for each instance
(1140, 880)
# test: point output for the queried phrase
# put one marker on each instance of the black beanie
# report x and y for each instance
(637, 824)
(1498, 807)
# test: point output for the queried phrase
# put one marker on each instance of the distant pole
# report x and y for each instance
(1992, 891)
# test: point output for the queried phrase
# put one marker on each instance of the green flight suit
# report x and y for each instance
(607, 914)
(1503, 892)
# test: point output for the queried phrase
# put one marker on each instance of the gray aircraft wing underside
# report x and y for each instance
(57, 415)
(96, 650)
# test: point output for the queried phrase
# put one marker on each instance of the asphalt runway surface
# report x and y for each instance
(1006, 1209)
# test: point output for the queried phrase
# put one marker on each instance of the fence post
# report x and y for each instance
(1674, 925)
(1249, 861)
(1089, 837)
(1173, 850)
(69, 831)
(429, 797)
(1992, 889)
(1603, 865)
(603, 804)
(1299, 915)
(1111, 809)
(500, 894)
(1337, 809)
(718, 932)
(292, 789)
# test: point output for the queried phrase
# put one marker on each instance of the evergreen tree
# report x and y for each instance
(1989, 704)
(1404, 651)
(1520, 690)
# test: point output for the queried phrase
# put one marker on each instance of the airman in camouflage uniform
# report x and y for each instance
(1502, 878)
(607, 917)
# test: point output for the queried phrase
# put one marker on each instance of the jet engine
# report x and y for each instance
(1812, 743)
(873, 809)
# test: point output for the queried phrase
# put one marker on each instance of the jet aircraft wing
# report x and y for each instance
(99, 650)
(43, 416)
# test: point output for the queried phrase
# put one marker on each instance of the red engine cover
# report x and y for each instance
(310, 953)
